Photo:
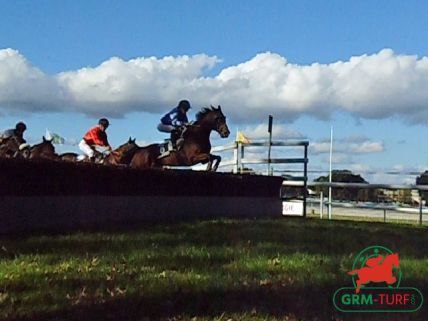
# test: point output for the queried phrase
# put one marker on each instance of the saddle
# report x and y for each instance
(165, 148)
(173, 144)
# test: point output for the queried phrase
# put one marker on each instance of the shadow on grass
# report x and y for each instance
(274, 301)
(266, 238)
(310, 236)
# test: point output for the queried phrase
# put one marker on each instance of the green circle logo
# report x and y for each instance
(376, 278)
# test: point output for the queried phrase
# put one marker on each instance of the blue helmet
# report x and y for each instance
(184, 104)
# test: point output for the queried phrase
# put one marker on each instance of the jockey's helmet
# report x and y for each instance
(20, 126)
(104, 122)
(184, 104)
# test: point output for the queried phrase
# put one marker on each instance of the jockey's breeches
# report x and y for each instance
(86, 149)
(165, 128)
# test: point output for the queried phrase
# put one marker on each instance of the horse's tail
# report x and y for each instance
(353, 272)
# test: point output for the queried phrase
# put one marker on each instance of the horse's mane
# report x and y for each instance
(204, 111)
(36, 145)
(44, 142)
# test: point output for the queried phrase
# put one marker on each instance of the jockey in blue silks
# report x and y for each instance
(174, 122)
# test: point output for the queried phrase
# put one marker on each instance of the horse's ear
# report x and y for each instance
(212, 107)
(44, 139)
(130, 139)
(219, 107)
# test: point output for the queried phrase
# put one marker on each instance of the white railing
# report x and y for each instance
(238, 161)
(373, 206)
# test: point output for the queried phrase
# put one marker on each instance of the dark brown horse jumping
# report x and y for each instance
(196, 148)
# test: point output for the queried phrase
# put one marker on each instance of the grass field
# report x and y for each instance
(282, 269)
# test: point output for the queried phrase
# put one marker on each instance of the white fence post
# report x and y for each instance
(321, 204)
(235, 158)
(239, 161)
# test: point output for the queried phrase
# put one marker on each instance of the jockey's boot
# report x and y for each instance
(179, 143)
(175, 135)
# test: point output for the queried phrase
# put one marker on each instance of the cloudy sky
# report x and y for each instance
(360, 66)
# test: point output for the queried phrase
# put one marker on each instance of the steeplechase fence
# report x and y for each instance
(58, 196)
(240, 161)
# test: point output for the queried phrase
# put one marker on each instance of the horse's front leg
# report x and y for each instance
(202, 158)
(210, 164)
(217, 160)
(214, 159)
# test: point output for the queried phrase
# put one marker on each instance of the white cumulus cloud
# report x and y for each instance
(367, 147)
(24, 87)
(279, 131)
(352, 145)
(378, 85)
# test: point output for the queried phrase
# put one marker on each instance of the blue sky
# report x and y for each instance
(359, 66)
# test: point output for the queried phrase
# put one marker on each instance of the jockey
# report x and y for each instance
(18, 131)
(96, 136)
(174, 122)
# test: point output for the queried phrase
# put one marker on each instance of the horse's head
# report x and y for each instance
(47, 145)
(126, 147)
(44, 150)
(214, 119)
(124, 152)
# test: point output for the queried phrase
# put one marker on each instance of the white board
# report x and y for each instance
(292, 208)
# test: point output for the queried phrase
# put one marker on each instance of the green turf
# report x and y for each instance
(214, 270)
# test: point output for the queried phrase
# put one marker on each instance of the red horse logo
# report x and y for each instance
(377, 269)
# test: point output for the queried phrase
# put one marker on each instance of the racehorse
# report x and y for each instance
(44, 150)
(13, 146)
(123, 154)
(377, 271)
(120, 156)
(196, 147)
